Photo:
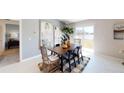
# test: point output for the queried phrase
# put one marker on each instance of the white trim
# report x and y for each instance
(4, 37)
(20, 38)
(31, 58)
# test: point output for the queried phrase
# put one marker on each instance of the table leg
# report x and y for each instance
(61, 64)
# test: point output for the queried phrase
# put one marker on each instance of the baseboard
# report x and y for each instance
(31, 58)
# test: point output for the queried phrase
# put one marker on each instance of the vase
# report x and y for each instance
(65, 45)
(68, 43)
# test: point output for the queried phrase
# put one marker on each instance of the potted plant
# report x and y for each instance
(67, 32)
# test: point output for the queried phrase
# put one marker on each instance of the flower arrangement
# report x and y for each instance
(65, 38)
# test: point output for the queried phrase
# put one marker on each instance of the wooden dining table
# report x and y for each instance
(61, 51)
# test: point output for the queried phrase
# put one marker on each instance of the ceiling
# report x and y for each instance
(68, 21)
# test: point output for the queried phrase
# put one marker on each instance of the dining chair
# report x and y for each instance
(78, 53)
(50, 63)
(69, 57)
(56, 45)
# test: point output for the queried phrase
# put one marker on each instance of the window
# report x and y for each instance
(86, 35)
(88, 31)
(58, 34)
(79, 31)
(46, 36)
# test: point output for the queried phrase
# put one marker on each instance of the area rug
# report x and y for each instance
(1, 58)
(79, 67)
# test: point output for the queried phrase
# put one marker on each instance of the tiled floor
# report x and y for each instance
(9, 57)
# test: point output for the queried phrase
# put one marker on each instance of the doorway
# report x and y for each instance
(10, 42)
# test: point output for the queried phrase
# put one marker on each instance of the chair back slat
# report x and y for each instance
(77, 50)
(44, 54)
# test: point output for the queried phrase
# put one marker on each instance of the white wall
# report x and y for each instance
(29, 38)
(2, 37)
(103, 40)
(29, 42)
